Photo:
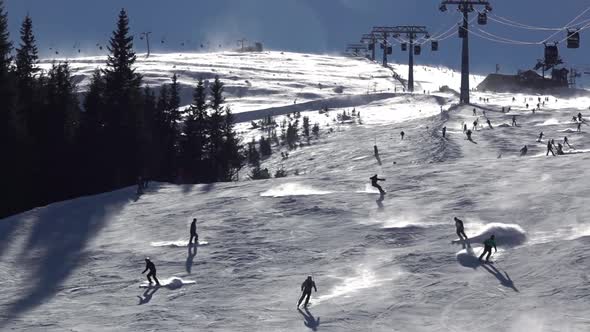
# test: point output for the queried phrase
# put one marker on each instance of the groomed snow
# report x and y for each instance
(380, 264)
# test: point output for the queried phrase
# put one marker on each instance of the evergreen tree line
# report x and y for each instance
(55, 147)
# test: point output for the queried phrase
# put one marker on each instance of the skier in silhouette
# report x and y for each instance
(559, 149)
(474, 111)
(402, 135)
(150, 266)
(306, 287)
(549, 149)
(580, 117)
(469, 135)
(514, 120)
(444, 131)
(489, 123)
(374, 183)
(460, 229)
(488, 244)
(194, 232)
(565, 141)
(540, 137)
(464, 127)
(524, 150)
(475, 124)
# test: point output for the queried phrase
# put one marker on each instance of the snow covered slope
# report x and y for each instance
(385, 264)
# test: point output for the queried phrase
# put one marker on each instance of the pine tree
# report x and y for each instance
(195, 143)
(26, 67)
(122, 103)
(172, 139)
(306, 127)
(5, 44)
(265, 148)
(316, 130)
(215, 131)
(232, 159)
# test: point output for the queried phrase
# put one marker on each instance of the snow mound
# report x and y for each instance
(506, 234)
(175, 244)
(568, 130)
(504, 125)
(548, 122)
(170, 283)
(293, 189)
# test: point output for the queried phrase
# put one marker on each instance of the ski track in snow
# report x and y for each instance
(388, 263)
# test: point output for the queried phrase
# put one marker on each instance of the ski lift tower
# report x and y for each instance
(466, 7)
(146, 35)
(371, 40)
(411, 32)
(356, 48)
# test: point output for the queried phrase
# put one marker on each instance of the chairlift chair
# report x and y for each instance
(482, 19)
(573, 38)
(434, 45)
(404, 47)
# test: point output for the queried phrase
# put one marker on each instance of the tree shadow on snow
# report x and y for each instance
(56, 243)
(192, 252)
(147, 295)
(503, 278)
(310, 321)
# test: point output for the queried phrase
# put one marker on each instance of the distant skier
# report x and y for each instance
(580, 117)
(565, 141)
(460, 229)
(488, 244)
(306, 287)
(150, 266)
(374, 183)
(444, 131)
(489, 124)
(524, 150)
(549, 149)
(469, 135)
(514, 120)
(194, 233)
(464, 127)
(402, 134)
(475, 124)
(474, 111)
(579, 127)
(540, 137)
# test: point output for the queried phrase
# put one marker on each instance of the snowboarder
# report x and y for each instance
(488, 244)
(469, 135)
(460, 229)
(150, 266)
(489, 124)
(549, 149)
(524, 150)
(306, 287)
(402, 135)
(514, 120)
(444, 131)
(374, 183)
(565, 141)
(540, 137)
(193, 232)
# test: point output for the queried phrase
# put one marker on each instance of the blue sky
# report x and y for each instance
(296, 25)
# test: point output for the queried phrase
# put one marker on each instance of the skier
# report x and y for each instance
(374, 183)
(475, 124)
(306, 287)
(444, 131)
(460, 229)
(464, 127)
(150, 266)
(540, 137)
(574, 119)
(550, 149)
(565, 141)
(402, 135)
(579, 127)
(489, 124)
(559, 149)
(474, 111)
(469, 135)
(524, 150)
(580, 116)
(514, 120)
(488, 244)
(193, 232)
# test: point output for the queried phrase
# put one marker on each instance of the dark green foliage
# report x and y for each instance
(281, 173)
(265, 147)
(316, 130)
(259, 174)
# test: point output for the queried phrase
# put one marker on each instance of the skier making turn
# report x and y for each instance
(374, 183)
(306, 287)
(150, 266)
(460, 229)
(488, 244)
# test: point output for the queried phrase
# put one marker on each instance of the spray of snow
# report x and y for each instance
(506, 234)
(293, 189)
(170, 283)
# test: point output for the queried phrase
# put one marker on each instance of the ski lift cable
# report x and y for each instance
(580, 29)
(448, 33)
(515, 24)
(568, 24)
(516, 42)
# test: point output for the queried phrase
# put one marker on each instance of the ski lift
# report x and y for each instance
(573, 38)
(462, 32)
(551, 55)
(417, 49)
(434, 45)
(488, 7)
(389, 50)
(482, 19)
(442, 8)
(404, 47)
